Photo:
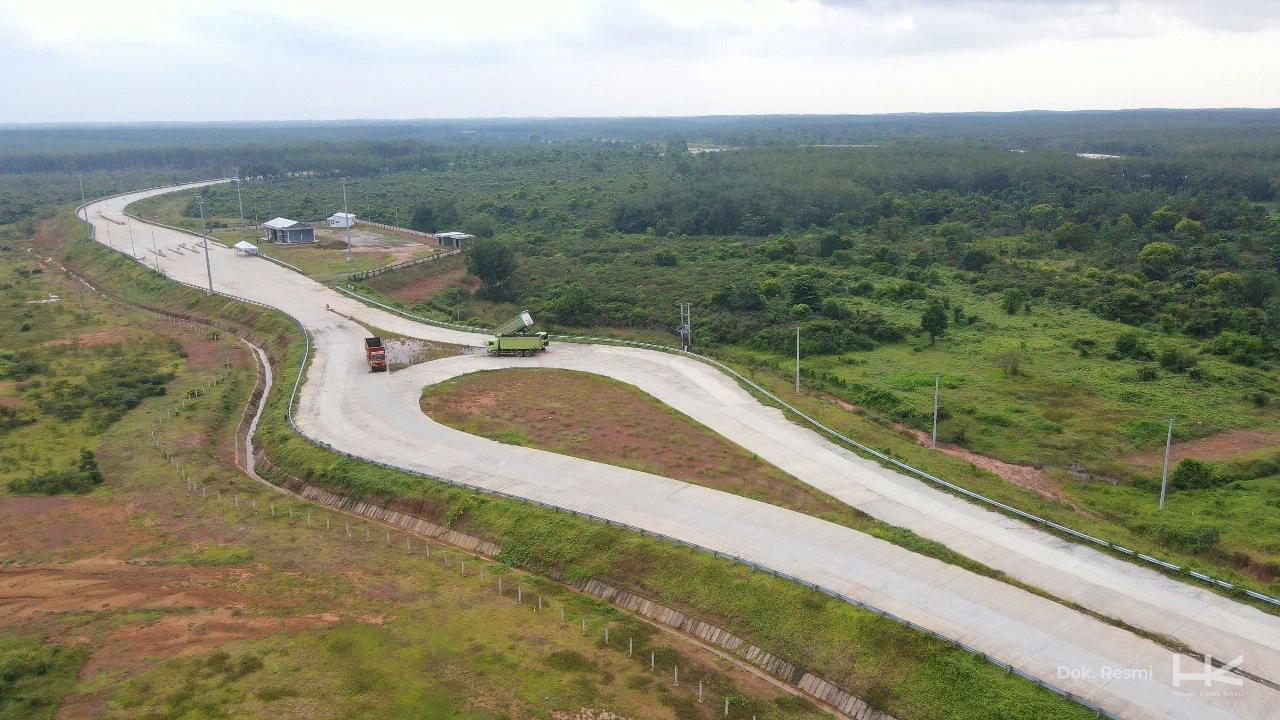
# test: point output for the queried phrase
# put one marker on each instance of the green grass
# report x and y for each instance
(232, 554)
(35, 675)
(910, 674)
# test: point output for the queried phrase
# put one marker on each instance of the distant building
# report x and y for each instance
(453, 238)
(342, 220)
(284, 230)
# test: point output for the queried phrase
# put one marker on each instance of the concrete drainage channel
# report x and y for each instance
(780, 672)
(1097, 710)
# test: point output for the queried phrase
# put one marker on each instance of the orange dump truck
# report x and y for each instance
(375, 353)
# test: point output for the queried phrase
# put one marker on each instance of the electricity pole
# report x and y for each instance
(155, 248)
(348, 218)
(208, 268)
(133, 248)
(685, 328)
(239, 201)
(934, 442)
(89, 227)
(797, 358)
(1164, 474)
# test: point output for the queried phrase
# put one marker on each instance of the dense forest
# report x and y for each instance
(1072, 279)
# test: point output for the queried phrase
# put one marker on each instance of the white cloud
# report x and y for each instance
(289, 59)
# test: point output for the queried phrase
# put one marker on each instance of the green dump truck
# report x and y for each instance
(511, 337)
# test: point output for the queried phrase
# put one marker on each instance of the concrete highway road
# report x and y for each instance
(377, 416)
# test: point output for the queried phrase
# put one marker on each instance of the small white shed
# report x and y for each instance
(342, 220)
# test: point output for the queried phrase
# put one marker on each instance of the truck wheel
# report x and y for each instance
(527, 353)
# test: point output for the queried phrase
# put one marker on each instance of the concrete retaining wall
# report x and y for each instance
(815, 686)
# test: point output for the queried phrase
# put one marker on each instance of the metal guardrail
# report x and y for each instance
(293, 394)
(365, 274)
(293, 398)
(1124, 551)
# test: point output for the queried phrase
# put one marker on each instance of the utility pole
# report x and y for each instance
(685, 328)
(797, 358)
(239, 201)
(208, 268)
(348, 218)
(1164, 474)
(155, 248)
(133, 248)
(934, 442)
(88, 226)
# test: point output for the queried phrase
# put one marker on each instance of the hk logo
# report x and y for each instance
(1209, 674)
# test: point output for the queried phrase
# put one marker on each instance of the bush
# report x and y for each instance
(1147, 373)
(1193, 474)
(1129, 345)
(666, 257)
(80, 479)
(1177, 360)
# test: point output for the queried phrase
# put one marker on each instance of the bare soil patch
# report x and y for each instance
(1219, 446)
(432, 284)
(1027, 476)
(593, 417)
(109, 336)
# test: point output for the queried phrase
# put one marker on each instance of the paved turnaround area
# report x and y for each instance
(377, 416)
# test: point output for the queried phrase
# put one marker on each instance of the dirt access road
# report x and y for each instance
(377, 416)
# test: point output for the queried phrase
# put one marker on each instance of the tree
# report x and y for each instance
(831, 242)
(1189, 228)
(1156, 260)
(1163, 220)
(1073, 236)
(1192, 474)
(934, 320)
(493, 261)
(481, 224)
(1010, 362)
(1013, 300)
(572, 305)
(975, 260)
(434, 217)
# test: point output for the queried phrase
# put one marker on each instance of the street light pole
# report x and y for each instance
(208, 268)
(1164, 474)
(347, 220)
(239, 201)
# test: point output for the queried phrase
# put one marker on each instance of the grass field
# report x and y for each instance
(907, 673)
(142, 599)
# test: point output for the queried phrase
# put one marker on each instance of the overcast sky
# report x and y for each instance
(121, 60)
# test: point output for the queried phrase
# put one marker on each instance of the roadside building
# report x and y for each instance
(284, 230)
(453, 238)
(342, 220)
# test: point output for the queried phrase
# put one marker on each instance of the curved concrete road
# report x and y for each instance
(377, 416)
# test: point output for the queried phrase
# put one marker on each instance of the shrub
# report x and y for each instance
(1193, 474)
(80, 479)
(665, 257)
(1010, 362)
(1147, 373)
(1177, 360)
(1129, 345)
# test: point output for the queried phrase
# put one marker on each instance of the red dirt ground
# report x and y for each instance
(591, 417)
(1025, 476)
(434, 283)
(92, 339)
(1219, 446)
(71, 554)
